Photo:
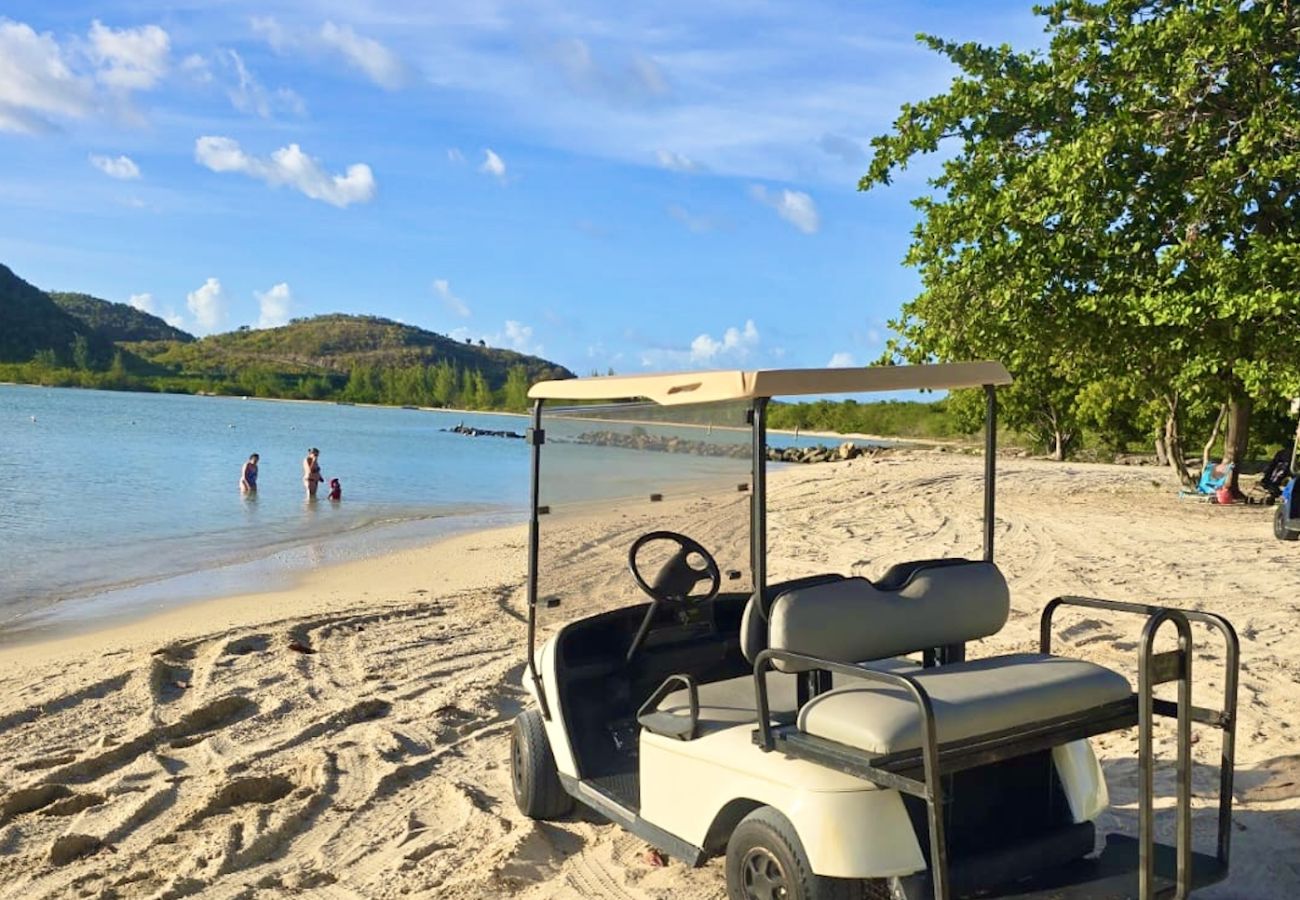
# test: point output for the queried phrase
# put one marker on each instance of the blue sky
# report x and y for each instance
(635, 186)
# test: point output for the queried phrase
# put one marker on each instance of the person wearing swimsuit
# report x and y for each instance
(311, 476)
(248, 476)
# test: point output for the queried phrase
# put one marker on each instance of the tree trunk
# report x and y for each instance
(1214, 437)
(1058, 445)
(1237, 443)
(1174, 446)
(1162, 455)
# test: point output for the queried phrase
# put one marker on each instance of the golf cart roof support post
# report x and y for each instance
(758, 502)
(536, 437)
(990, 465)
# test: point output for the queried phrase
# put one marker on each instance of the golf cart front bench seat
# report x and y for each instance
(685, 709)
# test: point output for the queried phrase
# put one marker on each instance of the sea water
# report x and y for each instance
(112, 501)
(105, 491)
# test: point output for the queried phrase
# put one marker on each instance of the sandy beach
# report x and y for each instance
(347, 738)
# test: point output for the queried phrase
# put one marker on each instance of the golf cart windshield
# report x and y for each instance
(612, 473)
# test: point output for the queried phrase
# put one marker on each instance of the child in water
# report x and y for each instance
(336, 489)
(248, 476)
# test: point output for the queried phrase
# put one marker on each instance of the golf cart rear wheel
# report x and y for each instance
(536, 783)
(1280, 530)
(766, 861)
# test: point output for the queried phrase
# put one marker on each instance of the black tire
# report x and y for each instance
(533, 775)
(766, 861)
(1280, 529)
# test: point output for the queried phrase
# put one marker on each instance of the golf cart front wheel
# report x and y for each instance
(766, 861)
(1280, 529)
(536, 782)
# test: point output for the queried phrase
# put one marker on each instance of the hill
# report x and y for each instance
(117, 322)
(32, 323)
(76, 340)
(337, 344)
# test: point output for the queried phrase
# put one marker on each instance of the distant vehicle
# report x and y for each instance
(1286, 514)
(826, 733)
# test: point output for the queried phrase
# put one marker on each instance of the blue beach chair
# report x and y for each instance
(1210, 482)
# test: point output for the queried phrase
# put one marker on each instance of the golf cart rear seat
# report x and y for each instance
(909, 730)
(853, 620)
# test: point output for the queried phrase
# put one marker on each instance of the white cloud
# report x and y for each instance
(520, 337)
(129, 59)
(42, 81)
(272, 32)
(197, 67)
(381, 65)
(250, 96)
(122, 167)
(735, 342)
(677, 162)
(36, 82)
(442, 288)
(493, 165)
(173, 318)
(455, 156)
(288, 166)
(795, 207)
(208, 304)
(143, 302)
(841, 361)
(273, 306)
(735, 345)
(516, 335)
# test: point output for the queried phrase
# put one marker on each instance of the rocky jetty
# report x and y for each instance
(641, 440)
(464, 429)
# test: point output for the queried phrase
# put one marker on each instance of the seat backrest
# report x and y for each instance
(853, 620)
(753, 621)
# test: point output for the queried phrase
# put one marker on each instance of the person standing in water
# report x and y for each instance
(248, 476)
(311, 476)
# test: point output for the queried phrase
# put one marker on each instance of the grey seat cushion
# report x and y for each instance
(969, 699)
(852, 619)
(734, 702)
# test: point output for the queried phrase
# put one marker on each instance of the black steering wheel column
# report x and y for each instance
(685, 570)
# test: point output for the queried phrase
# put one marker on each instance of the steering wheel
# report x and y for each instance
(676, 579)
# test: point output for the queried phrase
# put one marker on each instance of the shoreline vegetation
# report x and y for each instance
(75, 340)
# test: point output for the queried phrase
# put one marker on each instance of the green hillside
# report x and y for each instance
(117, 322)
(31, 323)
(336, 345)
(76, 340)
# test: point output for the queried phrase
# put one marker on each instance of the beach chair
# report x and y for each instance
(1213, 477)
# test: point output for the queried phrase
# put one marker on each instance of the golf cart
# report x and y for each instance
(1286, 515)
(826, 732)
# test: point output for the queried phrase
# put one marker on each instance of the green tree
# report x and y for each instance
(516, 388)
(81, 353)
(445, 382)
(1120, 206)
(481, 392)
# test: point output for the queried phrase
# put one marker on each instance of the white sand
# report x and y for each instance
(196, 753)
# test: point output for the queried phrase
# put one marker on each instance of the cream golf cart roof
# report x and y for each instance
(672, 388)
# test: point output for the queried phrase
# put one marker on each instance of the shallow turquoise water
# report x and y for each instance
(118, 502)
(101, 490)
